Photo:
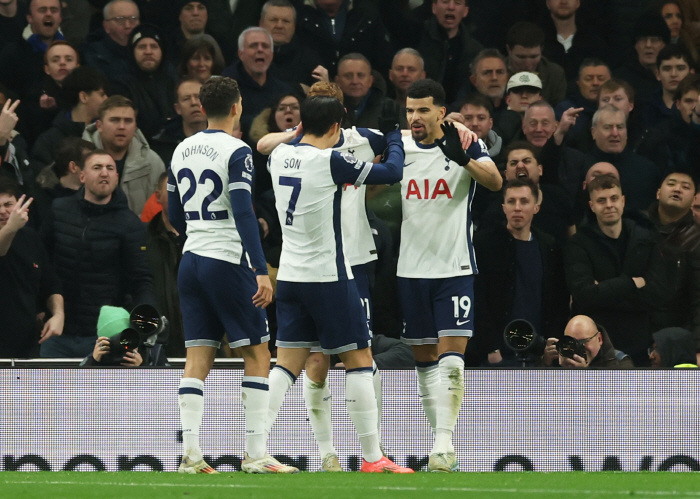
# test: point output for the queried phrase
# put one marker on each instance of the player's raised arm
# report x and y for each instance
(267, 143)
(483, 169)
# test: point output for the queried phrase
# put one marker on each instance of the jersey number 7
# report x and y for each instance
(295, 184)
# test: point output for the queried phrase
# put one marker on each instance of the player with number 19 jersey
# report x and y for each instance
(436, 197)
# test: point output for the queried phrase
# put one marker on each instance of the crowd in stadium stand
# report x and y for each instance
(590, 108)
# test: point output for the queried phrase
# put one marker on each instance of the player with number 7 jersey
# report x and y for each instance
(317, 299)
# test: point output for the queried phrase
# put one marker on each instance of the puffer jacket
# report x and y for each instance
(99, 255)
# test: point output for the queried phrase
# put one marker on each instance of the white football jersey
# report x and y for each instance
(207, 166)
(365, 144)
(436, 198)
(308, 184)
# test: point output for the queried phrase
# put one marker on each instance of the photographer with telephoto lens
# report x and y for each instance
(121, 335)
(585, 345)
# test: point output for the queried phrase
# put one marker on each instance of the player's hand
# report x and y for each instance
(101, 348)
(19, 216)
(576, 363)
(455, 118)
(451, 146)
(132, 359)
(466, 136)
(8, 119)
(299, 131)
(53, 327)
(550, 351)
(390, 117)
(264, 295)
(320, 74)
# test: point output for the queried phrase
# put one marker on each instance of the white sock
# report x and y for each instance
(317, 397)
(377, 382)
(256, 402)
(449, 400)
(428, 384)
(281, 380)
(191, 402)
(362, 409)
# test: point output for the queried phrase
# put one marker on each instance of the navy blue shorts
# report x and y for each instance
(436, 307)
(325, 314)
(216, 297)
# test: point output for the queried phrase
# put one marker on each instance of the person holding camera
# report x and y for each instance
(121, 334)
(585, 345)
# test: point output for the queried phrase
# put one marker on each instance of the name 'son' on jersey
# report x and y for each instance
(439, 189)
(292, 163)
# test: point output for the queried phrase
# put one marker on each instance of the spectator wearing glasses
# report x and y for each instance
(600, 352)
(109, 53)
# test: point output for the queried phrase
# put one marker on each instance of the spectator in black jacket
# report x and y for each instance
(98, 249)
(107, 51)
(293, 61)
(446, 46)
(568, 42)
(149, 84)
(651, 35)
(83, 92)
(521, 276)
(27, 280)
(679, 241)
(675, 143)
(338, 27)
(673, 64)
(190, 120)
(22, 60)
(60, 179)
(639, 176)
(614, 271)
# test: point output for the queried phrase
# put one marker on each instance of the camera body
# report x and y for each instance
(568, 347)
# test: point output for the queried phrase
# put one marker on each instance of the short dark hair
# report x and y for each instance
(320, 113)
(525, 34)
(114, 102)
(8, 186)
(201, 44)
(218, 95)
(673, 50)
(181, 82)
(522, 182)
(421, 89)
(485, 54)
(602, 182)
(163, 177)
(477, 100)
(690, 82)
(523, 144)
(81, 79)
(615, 84)
(590, 62)
(277, 3)
(682, 171)
(71, 149)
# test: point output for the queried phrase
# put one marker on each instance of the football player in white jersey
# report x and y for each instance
(436, 262)
(366, 145)
(317, 299)
(209, 188)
